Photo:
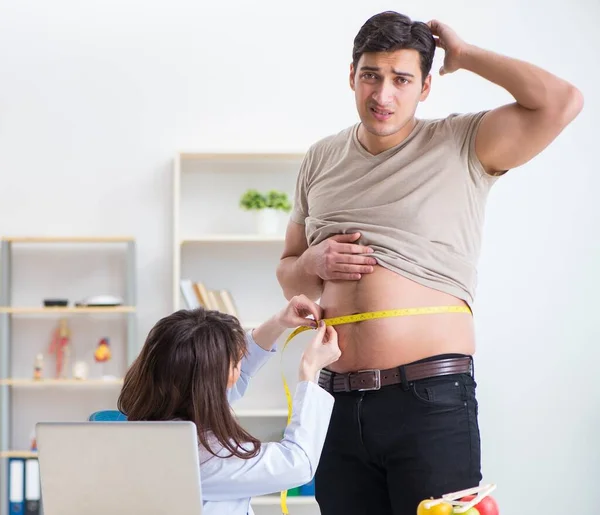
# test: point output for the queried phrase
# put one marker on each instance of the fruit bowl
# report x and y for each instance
(473, 501)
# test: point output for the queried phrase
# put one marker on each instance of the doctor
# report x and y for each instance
(195, 362)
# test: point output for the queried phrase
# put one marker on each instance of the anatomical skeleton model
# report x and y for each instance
(61, 346)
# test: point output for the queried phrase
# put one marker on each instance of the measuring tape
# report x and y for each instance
(349, 319)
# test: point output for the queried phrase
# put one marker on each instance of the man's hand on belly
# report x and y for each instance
(338, 258)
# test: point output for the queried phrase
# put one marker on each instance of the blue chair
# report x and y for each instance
(107, 416)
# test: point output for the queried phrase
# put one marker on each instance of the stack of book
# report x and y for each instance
(196, 295)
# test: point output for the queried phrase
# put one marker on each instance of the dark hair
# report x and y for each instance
(390, 31)
(182, 373)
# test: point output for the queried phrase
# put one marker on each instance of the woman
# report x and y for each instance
(195, 362)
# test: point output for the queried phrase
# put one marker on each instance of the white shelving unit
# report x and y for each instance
(216, 242)
(206, 213)
(274, 500)
(24, 302)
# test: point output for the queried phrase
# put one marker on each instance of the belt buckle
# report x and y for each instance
(376, 374)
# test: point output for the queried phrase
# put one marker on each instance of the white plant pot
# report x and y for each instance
(267, 221)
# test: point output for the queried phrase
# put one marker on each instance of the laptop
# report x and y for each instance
(119, 468)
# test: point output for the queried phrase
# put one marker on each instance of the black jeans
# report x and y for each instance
(387, 450)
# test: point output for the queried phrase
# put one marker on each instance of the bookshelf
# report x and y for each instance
(68, 263)
(206, 192)
(66, 311)
(274, 500)
(234, 238)
(46, 383)
(217, 243)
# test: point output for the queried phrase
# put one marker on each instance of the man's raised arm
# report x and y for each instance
(513, 134)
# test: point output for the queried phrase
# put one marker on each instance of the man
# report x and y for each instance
(388, 214)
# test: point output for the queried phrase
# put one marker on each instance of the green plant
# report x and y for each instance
(274, 199)
(278, 200)
(253, 200)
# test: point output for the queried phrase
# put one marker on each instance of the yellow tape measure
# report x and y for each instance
(349, 319)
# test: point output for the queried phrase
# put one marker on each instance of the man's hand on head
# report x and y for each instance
(339, 258)
(452, 44)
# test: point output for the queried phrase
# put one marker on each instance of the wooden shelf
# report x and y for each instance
(41, 383)
(242, 156)
(274, 500)
(18, 454)
(234, 238)
(67, 239)
(66, 310)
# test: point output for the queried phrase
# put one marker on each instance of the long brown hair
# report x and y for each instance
(182, 373)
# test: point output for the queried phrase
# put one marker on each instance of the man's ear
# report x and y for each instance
(352, 84)
(426, 89)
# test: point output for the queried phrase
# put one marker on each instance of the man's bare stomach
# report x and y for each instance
(389, 342)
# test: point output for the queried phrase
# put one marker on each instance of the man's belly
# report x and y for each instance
(388, 342)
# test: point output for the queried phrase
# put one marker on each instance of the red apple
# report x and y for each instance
(487, 505)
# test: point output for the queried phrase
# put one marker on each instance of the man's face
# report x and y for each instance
(387, 88)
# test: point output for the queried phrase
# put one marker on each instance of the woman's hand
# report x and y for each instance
(298, 310)
(322, 350)
(296, 313)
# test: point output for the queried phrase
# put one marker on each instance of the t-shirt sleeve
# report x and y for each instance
(464, 129)
(300, 205)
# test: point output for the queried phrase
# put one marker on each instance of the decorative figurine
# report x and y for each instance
(60, 345)
(102, 353)
(38, 368)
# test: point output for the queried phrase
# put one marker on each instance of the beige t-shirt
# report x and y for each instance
(419, 205)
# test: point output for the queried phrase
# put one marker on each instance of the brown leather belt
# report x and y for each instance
(374, 379)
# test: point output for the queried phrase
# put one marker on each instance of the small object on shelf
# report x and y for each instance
(253, 200)
(267, 207)
(80, 370)
(60, 345)
(100, 301)
(102, 353)
(38, 368)
(56, 303)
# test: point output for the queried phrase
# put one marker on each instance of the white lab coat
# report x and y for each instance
(228, 484)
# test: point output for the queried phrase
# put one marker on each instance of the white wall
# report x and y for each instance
(95, 98)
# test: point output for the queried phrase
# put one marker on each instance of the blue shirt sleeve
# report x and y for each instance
(255, 358)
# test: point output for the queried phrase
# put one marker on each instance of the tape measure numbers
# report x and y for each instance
(349, 319)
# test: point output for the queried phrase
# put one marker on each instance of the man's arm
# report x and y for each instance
(291, 271)
(513, 134)
(302, 270)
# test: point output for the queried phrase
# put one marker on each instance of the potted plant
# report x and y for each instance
(267, 208)
(253, 200)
